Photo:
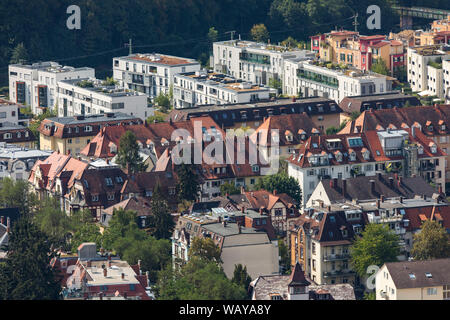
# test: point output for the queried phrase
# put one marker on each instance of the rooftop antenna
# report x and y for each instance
(231, 33)
(130, 47)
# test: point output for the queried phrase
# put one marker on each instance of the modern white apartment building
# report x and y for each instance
(192, 89)
(252, 61)
(10, 112)
(35, 85)
(446, 79)
(151, 74)
(312, 79)
(424, 67)
(90, 96)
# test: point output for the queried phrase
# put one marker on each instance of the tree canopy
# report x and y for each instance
(259, 33)
(432, 242)
(282, 183)
(188, 182)
(376, 246)
(26, 274)
(128, 155)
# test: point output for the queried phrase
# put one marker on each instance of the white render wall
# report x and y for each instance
(308, 182)
(33, 76)
(134, 104)
(188, 92)
(435, 82)
(154, 83)
(446, 80)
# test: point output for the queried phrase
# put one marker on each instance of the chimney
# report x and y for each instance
(400, 181)
(401, 199)
(239, 228)
(89, 263)
(372, 186)
(344, 187)
(242, 190)
(294, 99)
(100, 295)
(123, 276)
(242, 209)
(8, 224)
(220, 219)
(125, 295)
(329, 208)
(322, 204)
(105, 272)
(139, 266)
(274, 192)
(440, 189)
(382, 198)
(224, 223)
(147, 274)
(424, 197)
(2, 220)
(378, 203)
(261, 211)
(379, 175)
(391, 182)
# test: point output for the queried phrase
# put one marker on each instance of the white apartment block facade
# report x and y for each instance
(312, 80)
(423, 77)
(252, 61)
(150, 74)
(98, 98)
(446, 79)
(35, 85)
(201, 87)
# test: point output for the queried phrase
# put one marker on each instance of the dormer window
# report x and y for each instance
(289, 136)
(420, 150)
(338, 156)
(366, 154)
(112, 148)
(433, 147)
(352, 155)
(88, 128)
(275, 137)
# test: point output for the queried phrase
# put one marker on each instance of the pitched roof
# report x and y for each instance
(437, 271)
(138, 204)
(360, 188)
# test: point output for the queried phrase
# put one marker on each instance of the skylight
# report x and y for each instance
(412, 276)
(428, 275)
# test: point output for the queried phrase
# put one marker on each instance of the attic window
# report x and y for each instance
(420, 150)
(412, 276)
(119, 179)
(428, 275)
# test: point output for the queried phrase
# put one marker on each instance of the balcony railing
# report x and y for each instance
(337, 273)
(427, 167)
(255, 58)
(317, 78)
(336, 257)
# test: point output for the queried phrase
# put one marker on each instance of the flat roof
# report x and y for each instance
(114, 273)
(161, 59)
(117, 116)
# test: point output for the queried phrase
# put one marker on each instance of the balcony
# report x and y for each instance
(254, 58)
(337, 273)
(427, 166)
(336, 257)
(321, 79)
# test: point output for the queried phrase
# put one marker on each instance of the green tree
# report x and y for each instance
(259, 33)
(431, 243)
(241, 277)
(163, 102)
(199, 279)
(26, 273)
(188, 182)
(16, 194)
(19, 54)
(213, 35)
(128, 156)
(229, 188)
(380, 67)
(122, 222)
(160, 222)
(88, 232)
(282, 183)
(110, 81)
(53, 221)
(377, 245)
(206, 249)
(276, 84)
(285, 260)
(157, 117)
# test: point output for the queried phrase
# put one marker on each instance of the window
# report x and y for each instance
(431, 291)
(95, 198)
(111, 197)
(109, 181)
